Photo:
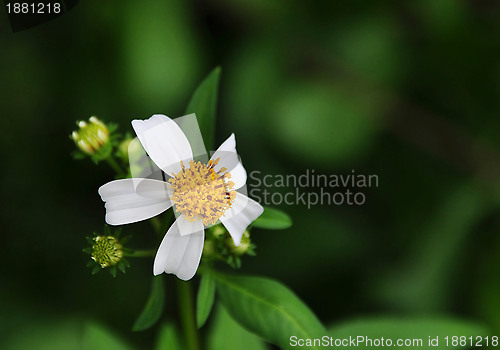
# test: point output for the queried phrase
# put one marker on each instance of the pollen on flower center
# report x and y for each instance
(201, 193)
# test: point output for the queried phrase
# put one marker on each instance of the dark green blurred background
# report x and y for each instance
(407, 90)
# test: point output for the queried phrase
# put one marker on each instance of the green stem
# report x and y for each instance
(116, 167)
(187, 315)
(141, 253)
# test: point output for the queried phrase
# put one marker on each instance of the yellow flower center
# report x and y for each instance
(201, 193)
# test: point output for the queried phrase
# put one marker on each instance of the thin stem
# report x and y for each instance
(187, 315)
(116, 167)
(141, 253)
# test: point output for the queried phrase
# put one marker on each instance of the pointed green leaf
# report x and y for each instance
(154, 306)
(204, 104)
(205, 298)
(168, 338)
(413, 329)
(273, 219)
(226, 334)
(268, 308)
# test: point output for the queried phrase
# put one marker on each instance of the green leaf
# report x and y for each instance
(204, 104)
(64, 333)
(205, 298)
(267, 308)
(168, 338)
(95, 336)
(414, 329)
(273, 219)
(226, 334)
(154, 306)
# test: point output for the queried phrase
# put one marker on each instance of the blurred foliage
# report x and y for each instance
(405, 90)
(408, 329)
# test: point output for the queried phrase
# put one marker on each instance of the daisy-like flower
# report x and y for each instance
(201, 195)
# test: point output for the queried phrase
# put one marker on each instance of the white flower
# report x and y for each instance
(201, 193)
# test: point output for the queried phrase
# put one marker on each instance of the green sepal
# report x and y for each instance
(121, 266)
(102, 153)
(118, 233)
(125, 240)
(112, 127)
(113, 271)
(78, 155)
(251, 250)
(127, 251)
(107, 230)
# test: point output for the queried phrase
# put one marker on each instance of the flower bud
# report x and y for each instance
(209, 249)
(123, 149)
(218, 231)
(242, 248)
(91, 137)
(106, 251)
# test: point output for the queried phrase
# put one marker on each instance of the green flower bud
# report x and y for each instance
(242, 248)
(209, 249)
(218, 231)
(123, 149)
(91, 136)
(106, 251)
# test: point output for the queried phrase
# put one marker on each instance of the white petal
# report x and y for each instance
(186, 227)
(164, 141)
(243, 211)
(132, 200)
(230, 160)
(179, 254)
